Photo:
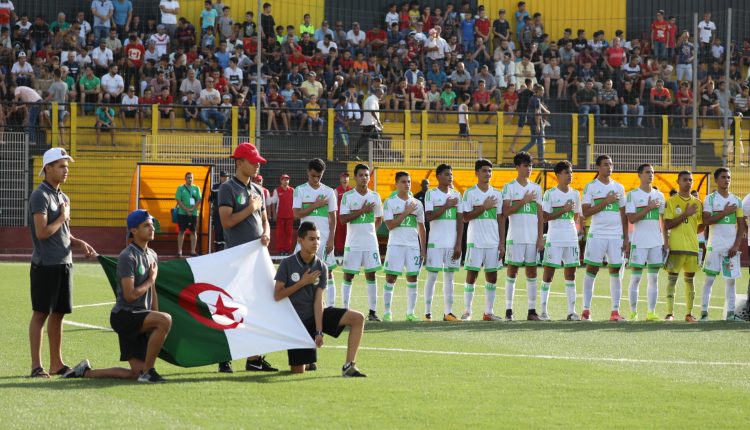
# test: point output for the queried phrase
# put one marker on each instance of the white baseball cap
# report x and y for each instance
(53, 155)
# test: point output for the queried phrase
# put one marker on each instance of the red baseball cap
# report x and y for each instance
(257, 178)
(345, 174)
(284, 176)
(249, 152)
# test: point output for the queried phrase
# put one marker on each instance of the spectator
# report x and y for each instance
(188, 197)
(684, 103)
(22, 73)
(461, 79)
(190, 84)
(159, 83)
(161, 38)
(418, 97)
(376, 41)
(660, 99)
(282, 211)
(190, 109)
(482, 101)
(631, 104)
(209, 99)
(166, 110)
(225, 24)
(552, 75)
(586, 102)
(112, 86)
(7, 14)
(169, 10)
(660, 36)
(234, 75)
(102, 57)
(105, 120)
(312, 109)
(742, 102)
(60, 25)
(525, 70)
(89, 88)
(184, 35)
(102, 11)
(706, 32)
(505, 71)
(685, 55)
(356, 40)
(324, 30)
(114, 44)
(130, 108)
(468, 28)
(615, 56)
(311, 87)
(208, 16)
(134, 54)
(607, 96)
(122, 16)
(267, 22)
(32, 100)
(500, 29)
(371, 125)
(537, 111)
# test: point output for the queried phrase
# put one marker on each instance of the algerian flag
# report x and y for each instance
(222, 307)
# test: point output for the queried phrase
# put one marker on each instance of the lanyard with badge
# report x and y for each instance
(192, 199)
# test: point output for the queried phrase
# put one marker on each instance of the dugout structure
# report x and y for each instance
(153, 188)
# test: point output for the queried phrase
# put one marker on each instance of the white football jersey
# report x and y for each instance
(647, 232)
(483, 230)
(606, 224)
(722, 234)
(305, 195)
(562, 231)
(406, 233)
(443, 228)
(524, 224)
(360, 232)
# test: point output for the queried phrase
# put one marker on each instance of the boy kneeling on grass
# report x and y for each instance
(135, 317)
(302, 277)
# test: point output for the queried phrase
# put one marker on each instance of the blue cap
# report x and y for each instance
(137, 217)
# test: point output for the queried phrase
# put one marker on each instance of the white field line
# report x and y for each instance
(502, 355)
(91, 305)
(554, 357)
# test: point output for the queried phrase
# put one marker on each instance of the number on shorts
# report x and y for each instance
(416, 260)
(375, 256)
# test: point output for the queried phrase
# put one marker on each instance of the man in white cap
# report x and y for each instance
(21, 71)
(32, 100)
(51, 261)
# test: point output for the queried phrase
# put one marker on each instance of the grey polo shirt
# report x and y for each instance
(134, 262)
(55, 249)
(290, 272)
(236, 195)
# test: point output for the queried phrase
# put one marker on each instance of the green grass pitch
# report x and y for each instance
(420, 375)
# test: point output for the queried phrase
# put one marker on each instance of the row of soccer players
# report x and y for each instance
(664, 234)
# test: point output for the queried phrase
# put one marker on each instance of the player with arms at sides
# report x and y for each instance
(444, 243)
(683, 218)
(562, 212)
(522, 200)
(604, 202)
(404, 217)
(723, 211)
(362, 212)
(316, 202)
(483, 208)
(644, 208)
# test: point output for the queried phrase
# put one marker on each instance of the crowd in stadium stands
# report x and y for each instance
(422, 57)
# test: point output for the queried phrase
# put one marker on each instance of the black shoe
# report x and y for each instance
(532, 315)
(259, 365)
(311, 367)
(226, 367)
(509, 315)
(372, 316)
(151, 377)
(350, 371)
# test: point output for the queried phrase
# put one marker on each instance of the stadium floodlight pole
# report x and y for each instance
(258, 65)
(725, 114)
(696, 50)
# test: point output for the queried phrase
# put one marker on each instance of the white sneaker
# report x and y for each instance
(466, 316)
(544, 317)
(573, 317)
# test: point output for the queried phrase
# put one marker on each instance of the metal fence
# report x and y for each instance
(629, 157)
(419, 153)
(14, 179)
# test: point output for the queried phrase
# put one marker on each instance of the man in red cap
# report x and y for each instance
(242, 211)
(282, 202)
(258, 179)
(340, 238)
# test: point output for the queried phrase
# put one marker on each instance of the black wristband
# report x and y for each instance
(318, 333)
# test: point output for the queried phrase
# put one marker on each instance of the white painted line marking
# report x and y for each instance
(84, 325)
(91, 305)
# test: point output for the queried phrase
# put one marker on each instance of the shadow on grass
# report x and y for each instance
(559, 326)
(56, 384)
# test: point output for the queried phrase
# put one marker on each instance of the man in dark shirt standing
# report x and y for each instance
(51, 262)
(523, 105)
(302, 278)
(215, 219)
(243, 216)
(536, 111)
(135, 317)
(631, 104)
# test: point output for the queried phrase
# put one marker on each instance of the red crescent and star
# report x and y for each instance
(188, 300)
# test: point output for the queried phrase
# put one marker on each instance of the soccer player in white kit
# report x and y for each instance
(362, 211)
(562, 212)
(604, 202)
(404, 217)
(644, 208)
(483, 208)
(522, 201)
(722, 211)
(316, 202)
(444, 243)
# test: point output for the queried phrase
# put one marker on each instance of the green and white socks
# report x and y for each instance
(346, 293)
(510, 289)
(468, 296)
(448, 278)
(429, 291)
(544, 296)
(388, 296)
(489, 298)
(372, 294)
(411, 297)
(570, 292)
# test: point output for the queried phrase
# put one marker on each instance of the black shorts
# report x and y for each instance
(165, 115)
(51, 288)
(463, 130)
(128, 326)
(187, 222)
(331, 327)
(521, 120)
(129, 113)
